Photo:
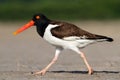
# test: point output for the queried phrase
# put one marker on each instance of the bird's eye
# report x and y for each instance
(37, 17)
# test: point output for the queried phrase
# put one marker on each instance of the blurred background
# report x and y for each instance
(28, 52)
(60, 9)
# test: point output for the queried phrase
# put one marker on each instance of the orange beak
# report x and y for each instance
(26, 26)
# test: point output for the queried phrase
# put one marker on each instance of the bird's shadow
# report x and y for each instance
(85, 72)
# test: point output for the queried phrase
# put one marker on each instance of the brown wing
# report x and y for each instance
(67, 30)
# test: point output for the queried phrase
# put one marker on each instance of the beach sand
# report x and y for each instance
(27, 52)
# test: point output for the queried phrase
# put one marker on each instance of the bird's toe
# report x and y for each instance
(90, 72)
(42, 72)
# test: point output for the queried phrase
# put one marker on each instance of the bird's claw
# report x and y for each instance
(42, 72)
(90, 71)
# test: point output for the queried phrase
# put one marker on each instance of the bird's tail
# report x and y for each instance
(104, 38)
(109, 39)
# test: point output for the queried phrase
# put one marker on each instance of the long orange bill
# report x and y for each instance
(26, 26)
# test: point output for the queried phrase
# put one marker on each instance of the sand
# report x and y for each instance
(27, 52)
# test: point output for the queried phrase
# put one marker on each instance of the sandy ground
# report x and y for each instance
(27, 52)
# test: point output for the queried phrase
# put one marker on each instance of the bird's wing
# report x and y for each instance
(69, 31)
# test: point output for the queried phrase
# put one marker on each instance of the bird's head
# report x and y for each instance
(37, 20)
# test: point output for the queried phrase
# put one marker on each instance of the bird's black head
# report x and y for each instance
(41, 22)
(40, 19)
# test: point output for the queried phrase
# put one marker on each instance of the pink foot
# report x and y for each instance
(90, 71)
(42, 72)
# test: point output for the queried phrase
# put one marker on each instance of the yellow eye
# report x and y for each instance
(37, 17)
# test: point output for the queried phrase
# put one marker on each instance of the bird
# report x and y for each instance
(63, 35)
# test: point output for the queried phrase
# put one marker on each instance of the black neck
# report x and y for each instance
(41, 27)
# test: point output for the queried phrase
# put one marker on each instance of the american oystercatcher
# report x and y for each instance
(63, 36)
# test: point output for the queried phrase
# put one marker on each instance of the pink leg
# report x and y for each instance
(90, 70)
(43, 71)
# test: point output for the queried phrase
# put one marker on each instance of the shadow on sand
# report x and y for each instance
(85, 72)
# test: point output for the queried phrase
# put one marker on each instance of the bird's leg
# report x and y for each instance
(90, 70)
(43, 71)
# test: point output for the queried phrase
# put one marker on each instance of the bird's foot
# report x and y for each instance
(42, 72)
(90, 71)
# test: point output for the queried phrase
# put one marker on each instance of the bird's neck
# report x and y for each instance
(41, 28)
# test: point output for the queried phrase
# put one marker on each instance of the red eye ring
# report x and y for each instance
(37, 17)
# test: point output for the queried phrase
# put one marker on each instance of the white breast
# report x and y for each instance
(49, 37)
